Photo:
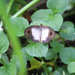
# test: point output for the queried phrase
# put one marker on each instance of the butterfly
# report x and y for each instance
(39, 33)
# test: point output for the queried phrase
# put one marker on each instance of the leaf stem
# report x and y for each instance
(25, 8)
(44, 66)
(15, 41)
(63, 41)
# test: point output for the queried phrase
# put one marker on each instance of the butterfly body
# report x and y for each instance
(39, 33)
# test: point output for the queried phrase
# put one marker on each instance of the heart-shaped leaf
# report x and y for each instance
(67, 24)
(19, 24)
(67, 55)
(52, 20)
(4, 43)
(68, 34)
(57, 46)
(37, 49)
(71, 67)
(50, 54)
(68, 31)
(57, 6)
(3, 71)
(26, 54)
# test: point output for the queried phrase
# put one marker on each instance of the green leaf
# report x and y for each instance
(71, 67)
(57, 36)
(49, 69)
(15, 59)
(46, 16)
(37, 23)
(61, 71)
(26, 54)
(35, 64)
(11, 68)
(57, 6)
(6, 70)
(0, 56)
(67, 55)
(67, 24)
(37, 49)
(5, 58)
(68, 34)
(4, 43)
(68, 31)
(57, 46)
(3, 71)
(41, 15)
(50, 54)
(19, 24)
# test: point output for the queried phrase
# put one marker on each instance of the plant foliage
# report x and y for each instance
(15, 54)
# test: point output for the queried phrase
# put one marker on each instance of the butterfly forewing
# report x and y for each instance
(35, 33)
(45, 33)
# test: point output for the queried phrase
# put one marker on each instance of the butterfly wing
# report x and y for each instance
(47, 34)
(34, 33)
(39, 33)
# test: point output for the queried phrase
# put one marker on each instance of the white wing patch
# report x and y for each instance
(36, 33)
(44, 35)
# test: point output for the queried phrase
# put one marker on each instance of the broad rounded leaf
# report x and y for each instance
(61, 71)
(46, 16)
(67, 55)
(71, 67)
(37, 49)
(19, 24)
(50, 54)
(37, 23)
(3, 71)
(68, 34)
(67, 24)
(11, 68)
(57, 6)
(41, 15)
(67, 30)
(16, 60)
(4, 43)
(5, 58)
(26, 54)
(49, 69)
(57, 46)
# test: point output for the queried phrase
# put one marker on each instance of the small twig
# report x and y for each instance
(44, 66)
